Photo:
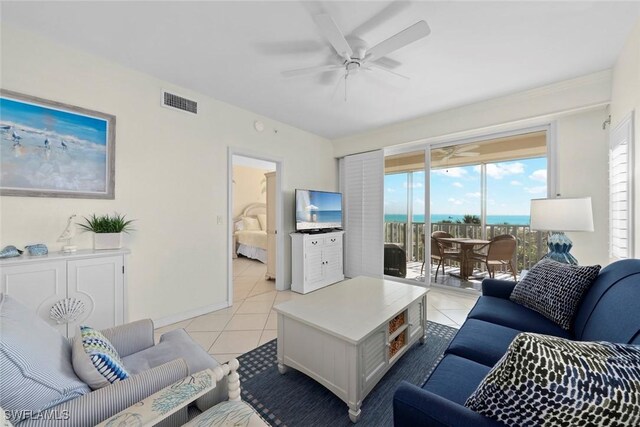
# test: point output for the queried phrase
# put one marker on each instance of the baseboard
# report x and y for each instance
(175, 318)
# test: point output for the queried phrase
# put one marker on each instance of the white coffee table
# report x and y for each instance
(342, 337)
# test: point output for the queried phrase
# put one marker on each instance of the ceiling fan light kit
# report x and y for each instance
(355, 53)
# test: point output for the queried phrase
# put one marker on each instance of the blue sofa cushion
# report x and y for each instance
(554, 289)
(482, 342)
(455, 378)
(609, 310)
(545, 380)
(512, 315)
(413, 407)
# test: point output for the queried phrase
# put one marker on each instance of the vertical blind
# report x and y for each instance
(621, 190)
(362, 182)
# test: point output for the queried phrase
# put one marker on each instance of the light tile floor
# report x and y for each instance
(251, 321)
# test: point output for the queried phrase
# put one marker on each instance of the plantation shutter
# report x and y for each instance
(362, 182)
(621, 190)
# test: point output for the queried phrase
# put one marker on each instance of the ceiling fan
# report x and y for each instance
(457, 151)
(354, 54)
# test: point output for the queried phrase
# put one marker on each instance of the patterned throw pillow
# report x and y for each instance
(549, 381)
(554, 289)
(95, 360)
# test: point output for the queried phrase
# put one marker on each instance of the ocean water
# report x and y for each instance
(491, 219)
(81, 166)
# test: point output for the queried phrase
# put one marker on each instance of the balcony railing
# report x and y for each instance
(531, 245)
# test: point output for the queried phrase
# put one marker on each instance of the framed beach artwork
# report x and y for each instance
(50, 149)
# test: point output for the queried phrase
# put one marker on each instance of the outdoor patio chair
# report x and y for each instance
(497, 253)
(440, 253)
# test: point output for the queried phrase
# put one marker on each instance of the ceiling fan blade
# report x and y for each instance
(382, 16)
(463, 148)
(387, 63)
(466, 154)
(407, 36)
(326, 78)
(373, 66)
(333, 34)
(310, 70)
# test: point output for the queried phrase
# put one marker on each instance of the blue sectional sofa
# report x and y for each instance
(609, 311)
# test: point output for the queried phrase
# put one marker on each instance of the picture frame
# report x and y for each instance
(52, 149)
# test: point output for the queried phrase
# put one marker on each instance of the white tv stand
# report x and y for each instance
(316, 260)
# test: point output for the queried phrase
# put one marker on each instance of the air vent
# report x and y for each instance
(174, 101)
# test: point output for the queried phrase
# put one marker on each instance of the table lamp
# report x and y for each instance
(560, 215)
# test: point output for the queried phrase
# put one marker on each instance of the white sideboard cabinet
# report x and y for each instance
(316, 260)
(66, 290)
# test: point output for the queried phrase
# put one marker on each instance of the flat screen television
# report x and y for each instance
(318, 210)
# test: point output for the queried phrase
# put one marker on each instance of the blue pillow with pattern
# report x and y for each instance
(549, 381)
(554, 289)
(95, 359)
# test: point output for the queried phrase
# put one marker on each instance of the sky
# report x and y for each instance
(456, 191)
(326, 201)
(61, 122)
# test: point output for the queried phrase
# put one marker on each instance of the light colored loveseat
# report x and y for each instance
(38, 386)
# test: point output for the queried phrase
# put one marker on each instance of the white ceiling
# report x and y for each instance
(235, 51)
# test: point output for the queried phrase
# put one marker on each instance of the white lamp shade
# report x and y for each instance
(570, 214)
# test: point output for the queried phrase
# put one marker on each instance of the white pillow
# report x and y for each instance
(262, 218)
(249, 223)
(238, 225)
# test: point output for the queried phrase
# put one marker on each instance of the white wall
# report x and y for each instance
(582, 153)
(171, 173)
(518, 110)
(249, 186)
(577, 107)
(625, 97)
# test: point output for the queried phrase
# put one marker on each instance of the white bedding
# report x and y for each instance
(253, 253)
(255, 238)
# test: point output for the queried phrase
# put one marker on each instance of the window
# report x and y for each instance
(621, 190)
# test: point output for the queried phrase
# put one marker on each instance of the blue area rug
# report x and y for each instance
(295, 400)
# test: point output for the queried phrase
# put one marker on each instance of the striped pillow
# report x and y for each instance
(95, 360)
(35, 363)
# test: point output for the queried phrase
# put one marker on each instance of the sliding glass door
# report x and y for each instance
(404, 215)
(476, 190)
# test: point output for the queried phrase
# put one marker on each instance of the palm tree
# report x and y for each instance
(470, 219)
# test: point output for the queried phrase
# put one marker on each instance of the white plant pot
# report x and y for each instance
(107, 240)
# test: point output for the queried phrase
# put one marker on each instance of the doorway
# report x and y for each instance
(254, 220)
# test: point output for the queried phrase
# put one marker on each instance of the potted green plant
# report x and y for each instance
(107, 230)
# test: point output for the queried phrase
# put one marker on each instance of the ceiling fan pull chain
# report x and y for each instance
(345, 85)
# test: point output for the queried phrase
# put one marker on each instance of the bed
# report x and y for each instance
(250, 237)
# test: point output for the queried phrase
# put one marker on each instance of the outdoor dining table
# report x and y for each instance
(466, 247)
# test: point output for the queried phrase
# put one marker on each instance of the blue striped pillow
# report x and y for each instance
(95, 359)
